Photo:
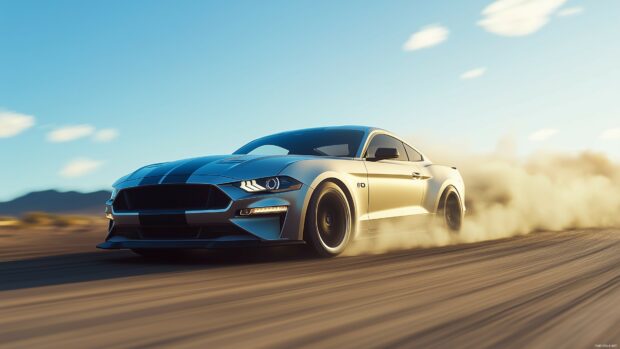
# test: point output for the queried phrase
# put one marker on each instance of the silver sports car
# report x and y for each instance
(322, 187)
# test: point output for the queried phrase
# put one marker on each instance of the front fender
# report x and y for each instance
(346, 173)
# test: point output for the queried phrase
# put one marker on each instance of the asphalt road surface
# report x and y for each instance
(544, 290)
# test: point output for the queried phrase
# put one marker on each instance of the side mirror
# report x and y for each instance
(386, 153)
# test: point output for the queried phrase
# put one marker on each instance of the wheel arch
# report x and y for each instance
(443, 178)
(347, 193)
(345, 189)
(346, 174)
(445, 191)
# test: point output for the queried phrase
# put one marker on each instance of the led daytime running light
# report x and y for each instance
(262, 210)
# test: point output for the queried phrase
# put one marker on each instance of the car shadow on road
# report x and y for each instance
(102, 265)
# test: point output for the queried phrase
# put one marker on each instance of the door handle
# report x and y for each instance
(418, 175)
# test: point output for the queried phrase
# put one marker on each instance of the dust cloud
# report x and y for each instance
(507, 195)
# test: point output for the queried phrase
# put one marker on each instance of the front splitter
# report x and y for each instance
(193, 244)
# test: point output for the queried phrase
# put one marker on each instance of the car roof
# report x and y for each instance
(368, 130)
(365, 129)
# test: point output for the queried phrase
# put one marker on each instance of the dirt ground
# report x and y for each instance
(544, 290)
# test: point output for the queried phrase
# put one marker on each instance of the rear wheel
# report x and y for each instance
(328, 227)
(450, 210)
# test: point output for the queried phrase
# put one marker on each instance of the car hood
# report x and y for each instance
(235, 167)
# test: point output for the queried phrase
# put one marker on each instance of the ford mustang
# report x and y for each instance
(322, 187)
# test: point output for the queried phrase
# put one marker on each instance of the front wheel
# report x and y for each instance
(328, 227)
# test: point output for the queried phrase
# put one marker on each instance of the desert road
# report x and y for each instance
(544, 290)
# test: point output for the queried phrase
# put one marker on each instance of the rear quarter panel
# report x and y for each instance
(442, 177)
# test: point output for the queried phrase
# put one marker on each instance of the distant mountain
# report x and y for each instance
(54, 201)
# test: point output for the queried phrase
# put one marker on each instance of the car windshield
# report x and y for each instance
(318, 142)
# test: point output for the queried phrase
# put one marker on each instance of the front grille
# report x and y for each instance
(171, 197)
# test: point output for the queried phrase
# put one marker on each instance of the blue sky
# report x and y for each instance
(91, 90)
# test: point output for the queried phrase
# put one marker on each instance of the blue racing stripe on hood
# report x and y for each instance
(182, 173)
(158, 173)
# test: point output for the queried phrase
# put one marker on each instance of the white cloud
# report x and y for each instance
(611, 134)
(426, 37)
(474, 73)
(105, 135)
(518, 17)
(12, 123)
(543, 134)
(570, 11)
(79, 167)
(70, 133)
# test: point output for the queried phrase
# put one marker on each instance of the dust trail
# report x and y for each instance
(508, 196)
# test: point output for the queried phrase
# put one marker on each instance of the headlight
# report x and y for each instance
(114, 192)
(269, 184)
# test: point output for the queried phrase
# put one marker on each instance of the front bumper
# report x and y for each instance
(116, 244)
(214, 228)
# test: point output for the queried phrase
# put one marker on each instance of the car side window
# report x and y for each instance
(413, 154)
(385, 141)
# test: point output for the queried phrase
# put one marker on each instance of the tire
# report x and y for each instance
(160, 253)
(450, 210)
(329, 224)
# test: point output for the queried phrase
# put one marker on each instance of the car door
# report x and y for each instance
(396, 187)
